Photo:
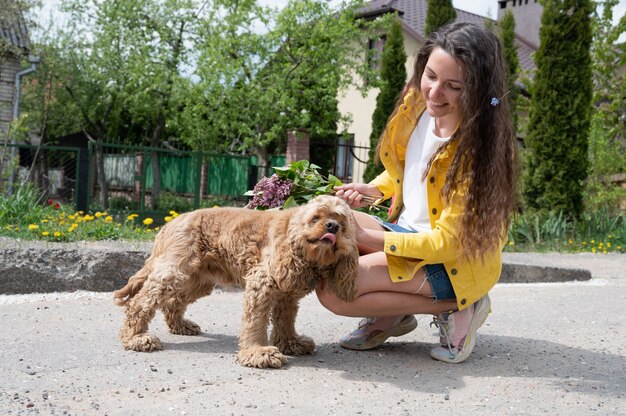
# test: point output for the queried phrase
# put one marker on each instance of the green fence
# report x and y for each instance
(110, 176)
(127, 176)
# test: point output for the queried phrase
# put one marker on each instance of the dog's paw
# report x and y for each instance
(185, 327)
(261, 357)
(301, 345)
(143, 343)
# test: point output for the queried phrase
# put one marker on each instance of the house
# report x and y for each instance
(412, 15)
(14, 47)
(527, 14)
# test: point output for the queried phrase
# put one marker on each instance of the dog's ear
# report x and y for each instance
(342, 279)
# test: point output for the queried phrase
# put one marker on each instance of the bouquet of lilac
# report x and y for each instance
(291, 185)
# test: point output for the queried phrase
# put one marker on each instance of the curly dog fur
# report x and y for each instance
(275, 256)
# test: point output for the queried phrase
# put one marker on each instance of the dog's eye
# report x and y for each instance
(315, 219)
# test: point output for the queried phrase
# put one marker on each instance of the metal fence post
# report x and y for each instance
(144, 174)
(197, 156)
(81, 195)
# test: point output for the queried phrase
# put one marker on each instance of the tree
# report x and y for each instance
(216, 75)
(607, 156)
(556, 163)
(393, 78)
(509, 50)
(255, 84)
(438, 13)
(123, 78)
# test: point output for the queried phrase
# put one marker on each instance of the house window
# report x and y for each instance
(502, 4)
(345, 159)
(376, 51)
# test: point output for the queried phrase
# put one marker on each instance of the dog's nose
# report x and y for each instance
(332, 226)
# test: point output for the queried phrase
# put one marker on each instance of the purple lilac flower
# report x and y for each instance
(270, 192)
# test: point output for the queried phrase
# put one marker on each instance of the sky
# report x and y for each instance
(481, 7)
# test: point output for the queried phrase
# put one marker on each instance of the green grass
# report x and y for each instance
(26, 216)
(599, 232)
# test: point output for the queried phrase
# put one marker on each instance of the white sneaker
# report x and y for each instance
(448, 328)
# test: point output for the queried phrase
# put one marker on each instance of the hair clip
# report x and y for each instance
(495, 101)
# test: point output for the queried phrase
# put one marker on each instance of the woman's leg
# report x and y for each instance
(379, 296)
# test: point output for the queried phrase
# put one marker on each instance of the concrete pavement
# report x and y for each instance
(548, 348)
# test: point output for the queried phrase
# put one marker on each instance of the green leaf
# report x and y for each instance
(290, 202)
(332, 179)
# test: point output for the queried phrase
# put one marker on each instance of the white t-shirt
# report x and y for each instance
(422, 146)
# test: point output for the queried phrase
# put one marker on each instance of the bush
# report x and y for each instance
(600, 232)
(170, 201)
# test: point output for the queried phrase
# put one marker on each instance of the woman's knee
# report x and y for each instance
(331, 302)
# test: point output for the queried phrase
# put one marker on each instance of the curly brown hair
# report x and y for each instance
(486, 159)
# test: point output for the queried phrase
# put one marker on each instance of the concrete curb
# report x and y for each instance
(528, 273)
(35, 267)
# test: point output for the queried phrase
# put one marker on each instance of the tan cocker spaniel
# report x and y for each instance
(276, 256)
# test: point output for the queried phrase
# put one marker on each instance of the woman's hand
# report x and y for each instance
(358, 195)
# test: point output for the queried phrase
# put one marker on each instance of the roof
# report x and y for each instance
(13, 29)
(412, 14)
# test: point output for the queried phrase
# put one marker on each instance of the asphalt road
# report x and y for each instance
(548, 348)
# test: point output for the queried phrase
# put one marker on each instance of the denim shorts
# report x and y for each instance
(436, 274)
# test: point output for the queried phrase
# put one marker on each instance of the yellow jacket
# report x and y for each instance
(407, 252)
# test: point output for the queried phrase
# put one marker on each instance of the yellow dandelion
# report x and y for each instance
(618, 247)
(156, 228)
(172, 212)
(44, 221)
(511, 243)
(132, 217)
(603, 251)
(570, 241)
(584, 243)
(610, 236)
(600, 245)
(148, 221)
(593, 241)
(100, 214)
(168, 219)
(32, 227)
(88, 217)
(57, 234)
(108, 218)
(608, 244)
(45, 233)
(593, 249)
(73, 227)
(72, 217)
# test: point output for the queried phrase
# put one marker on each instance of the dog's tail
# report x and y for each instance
(122, 296)
(134, 285)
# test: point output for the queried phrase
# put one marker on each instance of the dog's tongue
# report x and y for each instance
(329, 236)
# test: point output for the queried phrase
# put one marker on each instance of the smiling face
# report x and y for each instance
(442, 85)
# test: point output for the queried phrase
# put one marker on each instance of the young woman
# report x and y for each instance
(449, 156)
